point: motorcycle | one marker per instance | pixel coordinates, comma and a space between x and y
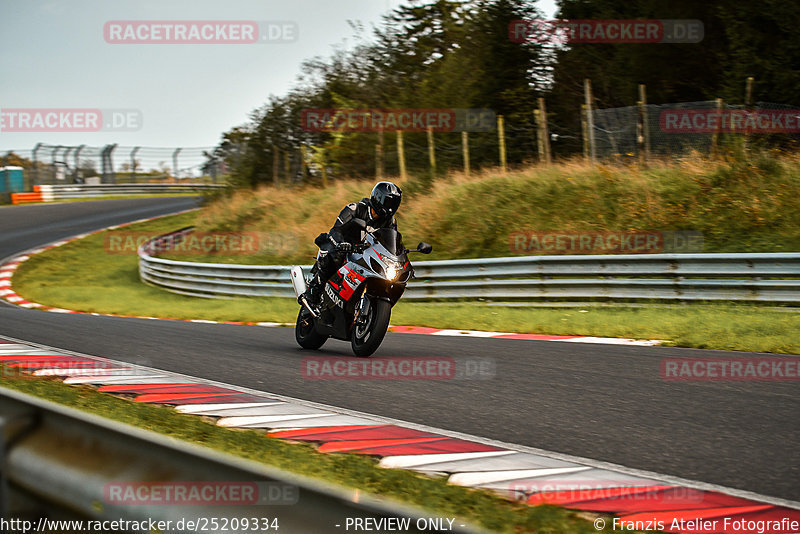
358, 298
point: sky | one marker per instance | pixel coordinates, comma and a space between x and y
54, 55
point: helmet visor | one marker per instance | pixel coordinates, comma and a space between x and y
390, 204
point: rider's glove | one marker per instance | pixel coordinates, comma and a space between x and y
344, 247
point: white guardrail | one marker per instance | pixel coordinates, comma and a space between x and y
756, 277
69, 191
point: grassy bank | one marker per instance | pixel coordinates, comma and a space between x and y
739, 205
84, 275
354, 471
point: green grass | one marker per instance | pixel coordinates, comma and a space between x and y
83, 276
726, 327
351, 470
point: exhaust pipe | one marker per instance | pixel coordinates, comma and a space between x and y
299, 285
298, 280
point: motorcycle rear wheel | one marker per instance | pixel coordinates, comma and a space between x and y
304, 332
366, 340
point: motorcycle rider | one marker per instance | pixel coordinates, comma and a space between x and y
377, 211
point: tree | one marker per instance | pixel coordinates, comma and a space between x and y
12, 159
755, 38
763, 43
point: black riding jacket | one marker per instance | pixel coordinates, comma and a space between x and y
357, 210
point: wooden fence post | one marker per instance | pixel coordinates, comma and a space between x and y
587, 89
543, 132
431, 150
465, 151
401, 155
501, 135
644, 126
715, 135
584, 132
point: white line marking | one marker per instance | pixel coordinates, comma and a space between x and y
200, 409
418, 460
613, 341
101, 379
76, 372
467, 333
266, 419
489, 477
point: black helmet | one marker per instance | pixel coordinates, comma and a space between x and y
385, 199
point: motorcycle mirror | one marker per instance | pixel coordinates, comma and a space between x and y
424, 248
321, 239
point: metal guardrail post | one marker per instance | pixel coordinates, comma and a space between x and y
133, 163
175, 162
53, 162
35, 178
76, 174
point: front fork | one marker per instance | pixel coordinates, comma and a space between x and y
362, 309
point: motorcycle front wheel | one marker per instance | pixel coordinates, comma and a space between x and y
304, 332
367, 336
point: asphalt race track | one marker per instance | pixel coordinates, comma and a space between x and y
604, 402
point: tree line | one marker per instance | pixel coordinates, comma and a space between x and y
459, 54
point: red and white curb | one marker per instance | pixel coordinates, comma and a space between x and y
10, 265
516, 472
7, 293
512, 335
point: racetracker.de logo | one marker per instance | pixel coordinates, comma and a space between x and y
69, 120
576, 242
785, 369
199, 32
199, 243
205, 493
763, 121
606, 31
557, 491
400, 119
398, 368
339, 368
55, 365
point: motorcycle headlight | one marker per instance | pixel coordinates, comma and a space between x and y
391, 272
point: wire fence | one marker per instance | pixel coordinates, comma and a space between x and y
675, 129
113, 164
632, 132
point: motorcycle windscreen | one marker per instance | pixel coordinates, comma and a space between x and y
391, 240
